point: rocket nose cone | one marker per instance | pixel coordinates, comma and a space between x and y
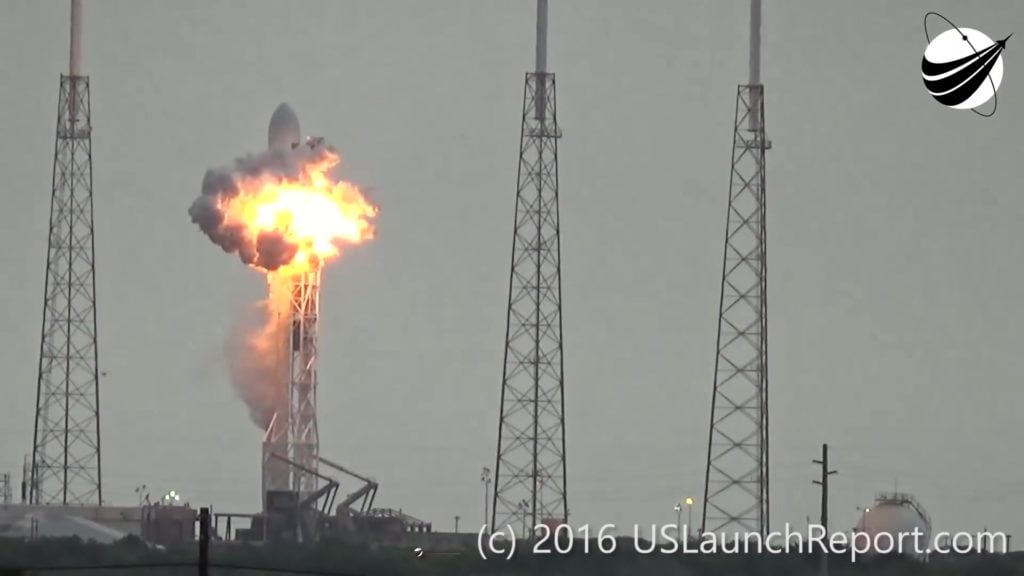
284, 128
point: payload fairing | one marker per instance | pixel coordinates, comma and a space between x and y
283, 132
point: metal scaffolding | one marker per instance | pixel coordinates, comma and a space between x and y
303, 437
292, 434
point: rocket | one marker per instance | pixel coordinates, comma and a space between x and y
283, 132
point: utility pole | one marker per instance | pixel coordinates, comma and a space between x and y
25, 473
204, 542
825, 473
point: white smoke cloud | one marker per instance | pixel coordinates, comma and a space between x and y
258, 371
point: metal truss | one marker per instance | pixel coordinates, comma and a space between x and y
304, 438
736, 480
66, 443
530, 471
276, 473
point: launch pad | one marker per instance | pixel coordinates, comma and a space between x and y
291, 515
297, 496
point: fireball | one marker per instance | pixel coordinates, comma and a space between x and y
309, 218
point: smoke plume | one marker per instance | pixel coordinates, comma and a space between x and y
257, 359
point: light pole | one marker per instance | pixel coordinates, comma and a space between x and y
689, 513
679, 520
485, 479
863, 517
540, 499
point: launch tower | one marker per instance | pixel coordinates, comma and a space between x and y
530, 470
303, 437
65, 465
292, 434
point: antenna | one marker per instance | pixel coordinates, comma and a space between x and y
755, 42
75, 68
540, 101
754, 121
542, 36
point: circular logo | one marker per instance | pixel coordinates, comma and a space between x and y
962, 68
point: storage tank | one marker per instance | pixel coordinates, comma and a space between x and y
894, 517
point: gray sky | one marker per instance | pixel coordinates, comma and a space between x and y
892, 237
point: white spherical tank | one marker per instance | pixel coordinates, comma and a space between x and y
896, 524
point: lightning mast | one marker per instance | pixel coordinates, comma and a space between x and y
530, 470
66, 444
736, 477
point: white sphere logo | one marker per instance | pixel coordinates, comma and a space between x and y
962, 68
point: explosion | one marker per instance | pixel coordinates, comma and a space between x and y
284, 213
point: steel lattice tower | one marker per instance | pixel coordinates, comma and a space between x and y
530, 467
292, 432
303, 436
66, 443
736, 480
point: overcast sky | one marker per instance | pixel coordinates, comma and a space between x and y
894, 243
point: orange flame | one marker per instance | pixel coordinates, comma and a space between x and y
312, 212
